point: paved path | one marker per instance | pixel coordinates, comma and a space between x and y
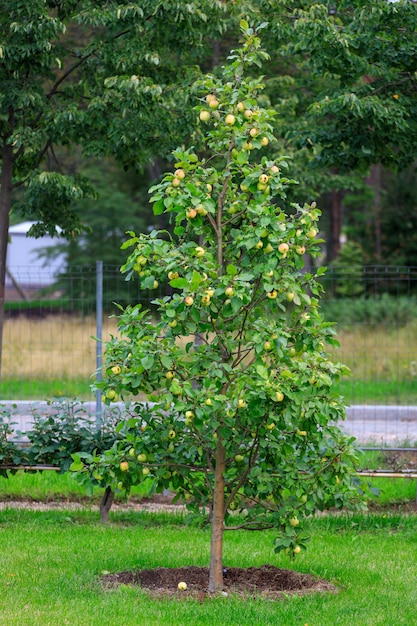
376, 424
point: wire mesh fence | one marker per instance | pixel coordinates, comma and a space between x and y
49, 345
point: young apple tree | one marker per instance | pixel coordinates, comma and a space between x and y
243, 425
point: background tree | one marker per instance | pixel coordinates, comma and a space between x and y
98, 75
244, 414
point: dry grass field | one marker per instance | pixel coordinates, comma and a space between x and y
63, 349
55, 346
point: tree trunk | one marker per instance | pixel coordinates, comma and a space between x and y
217, 523
375, 181
5, 203
335, 223
105, 505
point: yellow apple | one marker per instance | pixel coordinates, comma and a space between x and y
171, 434
279, 396
182, 586
311, 234
201, 210
241, 404
229, 291
240, 107
253, 132
263, 179
173, 275
283, 248
264, 141
188, 301
248, 114
199, 251
179, 173
272, 294
259, 245
116, 369
124, 466
204, 115
191, 214
230, 119
294, 521
169, 375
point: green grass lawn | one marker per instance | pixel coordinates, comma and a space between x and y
51, 564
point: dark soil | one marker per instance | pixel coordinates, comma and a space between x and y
267, 581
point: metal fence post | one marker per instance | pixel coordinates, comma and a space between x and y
99, 335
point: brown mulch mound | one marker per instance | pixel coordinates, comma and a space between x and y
267, 581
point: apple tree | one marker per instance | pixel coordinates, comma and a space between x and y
241, 420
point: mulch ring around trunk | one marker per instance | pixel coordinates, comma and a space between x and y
266, 581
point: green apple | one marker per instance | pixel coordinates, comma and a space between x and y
267, 345
297, 549
204, 115
240, 107
303, 499
169, 375
239, 458
171, 434
311, 234
172, 323
209, 402
290, 296
229, 291
146, 471
302, 433
111, 394
263, 179
201, 210
132, 452
120, 486
142, 457
294, 521
205, 299
270, 426
268, 249
253, 132
259, 245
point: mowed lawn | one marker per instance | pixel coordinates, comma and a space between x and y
51, 562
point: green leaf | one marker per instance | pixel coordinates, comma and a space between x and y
179, 283
158, 207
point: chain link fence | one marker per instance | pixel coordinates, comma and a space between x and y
52, 322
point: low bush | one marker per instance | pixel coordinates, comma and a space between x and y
384, 309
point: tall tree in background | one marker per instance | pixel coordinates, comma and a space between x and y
100, 74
